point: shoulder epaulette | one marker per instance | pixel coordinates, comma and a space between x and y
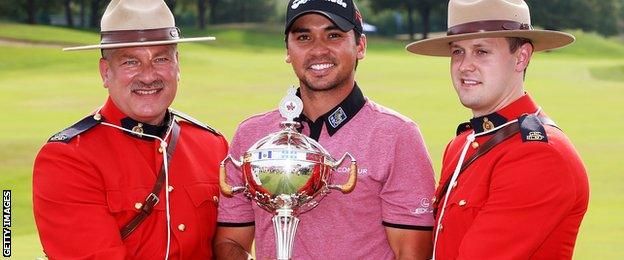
463, 127
78, 128
532, 128
194, 121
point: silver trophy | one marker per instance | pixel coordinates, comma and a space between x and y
287, 173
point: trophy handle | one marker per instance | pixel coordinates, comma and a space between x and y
350, 184
225, 187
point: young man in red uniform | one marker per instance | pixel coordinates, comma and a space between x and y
512, 185
135, 179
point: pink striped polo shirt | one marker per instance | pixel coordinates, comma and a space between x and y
394, 188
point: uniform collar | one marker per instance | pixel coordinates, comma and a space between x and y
523, 105
336, 117
111, 114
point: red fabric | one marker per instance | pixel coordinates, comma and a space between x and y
85, 191
521, 200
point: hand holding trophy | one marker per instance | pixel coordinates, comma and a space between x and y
287, 173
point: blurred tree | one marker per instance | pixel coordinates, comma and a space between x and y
588, 15
31, 11
94, 21
82, 13
201, 14
242, 11
68, 13
213, 11
423, 7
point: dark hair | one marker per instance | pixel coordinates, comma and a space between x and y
516, 42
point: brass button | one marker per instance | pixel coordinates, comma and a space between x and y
440, 227
454, 184
160, 150
182, 227
475, 145
170, 188
138, 205
462, 202
97, 117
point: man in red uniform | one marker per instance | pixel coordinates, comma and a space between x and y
136, 179
512, 185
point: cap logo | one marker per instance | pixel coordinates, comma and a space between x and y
298, 3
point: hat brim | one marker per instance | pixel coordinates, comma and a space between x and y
137, 44
541, 40
342, 23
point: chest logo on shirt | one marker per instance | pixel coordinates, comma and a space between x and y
336, 118
345, 169
425, 207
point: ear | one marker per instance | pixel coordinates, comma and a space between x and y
523, 57
361, 47
287, 59
104, 71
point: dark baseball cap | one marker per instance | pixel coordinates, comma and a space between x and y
343, 13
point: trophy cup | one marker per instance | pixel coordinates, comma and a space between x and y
287, 173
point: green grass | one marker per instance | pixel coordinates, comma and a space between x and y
281, 183
43, 90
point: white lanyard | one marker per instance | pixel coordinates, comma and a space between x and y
163, 146
469, 139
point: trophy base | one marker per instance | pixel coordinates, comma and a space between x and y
285, 225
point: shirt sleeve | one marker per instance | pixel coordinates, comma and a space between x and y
407, 192
70, 207
531, 191
236, 210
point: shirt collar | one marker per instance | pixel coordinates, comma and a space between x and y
336, 117
111, 114
523, 105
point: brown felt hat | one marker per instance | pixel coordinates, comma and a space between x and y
473, 19
132, 23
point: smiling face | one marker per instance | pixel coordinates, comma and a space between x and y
323, 56
141, 81
486, 75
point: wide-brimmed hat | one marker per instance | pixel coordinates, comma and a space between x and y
132, 23
472, 19
343, 13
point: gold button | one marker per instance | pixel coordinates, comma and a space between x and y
440, 227
170, 188
160, 150
138, 205
475, 145
454, 184
181, 227
215, 199
97, 117
462, 202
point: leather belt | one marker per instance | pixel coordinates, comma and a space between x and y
152, 199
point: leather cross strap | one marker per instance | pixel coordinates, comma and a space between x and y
152, 199
500, 136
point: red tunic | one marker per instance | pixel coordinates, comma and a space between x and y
86, 189
524, 199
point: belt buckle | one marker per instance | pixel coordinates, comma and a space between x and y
152, 197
